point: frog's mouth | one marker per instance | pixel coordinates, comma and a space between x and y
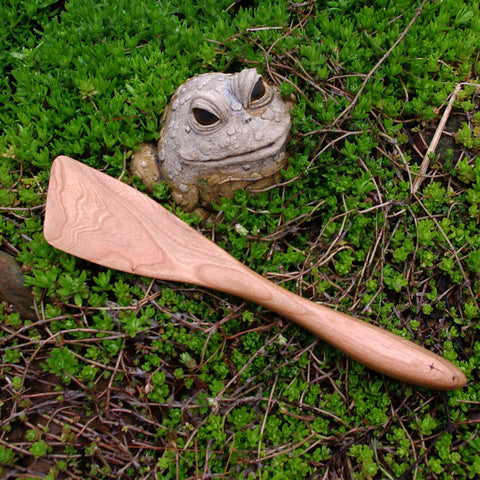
270, 151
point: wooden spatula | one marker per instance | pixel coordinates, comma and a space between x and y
103, 220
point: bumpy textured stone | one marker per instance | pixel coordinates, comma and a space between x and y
221, 132
12, 290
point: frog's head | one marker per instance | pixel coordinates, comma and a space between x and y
223, 125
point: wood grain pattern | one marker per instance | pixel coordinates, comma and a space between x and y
103, 220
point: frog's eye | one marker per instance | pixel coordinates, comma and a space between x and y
204, 117
258, 91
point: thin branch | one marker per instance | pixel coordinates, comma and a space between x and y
435, 140
385, 56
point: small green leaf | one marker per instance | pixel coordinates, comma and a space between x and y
39, 449
473, 261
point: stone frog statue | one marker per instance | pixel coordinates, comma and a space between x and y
221, 132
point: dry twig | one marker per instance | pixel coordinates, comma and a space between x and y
436, 138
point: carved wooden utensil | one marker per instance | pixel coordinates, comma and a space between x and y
103, 220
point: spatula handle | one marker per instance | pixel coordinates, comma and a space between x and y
372, 346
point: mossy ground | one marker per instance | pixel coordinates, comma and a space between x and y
123, 377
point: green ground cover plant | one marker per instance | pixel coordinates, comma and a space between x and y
124, 377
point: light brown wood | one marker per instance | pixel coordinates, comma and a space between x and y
103, 220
